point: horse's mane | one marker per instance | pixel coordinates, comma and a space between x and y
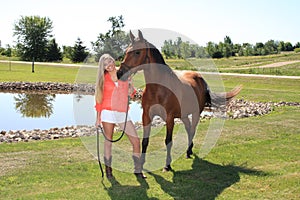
160, 60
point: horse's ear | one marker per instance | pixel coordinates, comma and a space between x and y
141, 35
131, 37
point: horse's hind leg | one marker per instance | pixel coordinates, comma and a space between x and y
169, 143
190, 129
187, 125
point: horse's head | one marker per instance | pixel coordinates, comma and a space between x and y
135, 56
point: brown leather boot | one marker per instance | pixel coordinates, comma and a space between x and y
108, 169
138, 167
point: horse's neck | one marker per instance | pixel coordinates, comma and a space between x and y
158, 71
160, 74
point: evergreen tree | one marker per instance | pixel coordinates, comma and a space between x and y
53, 51
79, 52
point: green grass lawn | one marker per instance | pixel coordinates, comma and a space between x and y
70, 74
43, 73
254, 158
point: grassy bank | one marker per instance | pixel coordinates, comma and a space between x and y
255, 158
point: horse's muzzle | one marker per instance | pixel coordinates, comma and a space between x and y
122, 74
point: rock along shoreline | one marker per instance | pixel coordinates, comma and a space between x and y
237, 108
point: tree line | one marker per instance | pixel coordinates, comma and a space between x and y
35, 42
181, 49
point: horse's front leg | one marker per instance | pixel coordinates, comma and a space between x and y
169, 142
146, 133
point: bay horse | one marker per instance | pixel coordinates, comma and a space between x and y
166, 94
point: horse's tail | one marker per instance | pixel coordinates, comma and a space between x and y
218, 99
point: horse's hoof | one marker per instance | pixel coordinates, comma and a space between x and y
167, 168
188, 156
140, 175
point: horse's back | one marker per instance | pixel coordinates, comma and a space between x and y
194, 79
190, 76
200, 89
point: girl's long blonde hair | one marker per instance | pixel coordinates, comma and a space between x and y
100, 78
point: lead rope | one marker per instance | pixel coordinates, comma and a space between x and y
98, 154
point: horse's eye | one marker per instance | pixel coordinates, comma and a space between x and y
137, 53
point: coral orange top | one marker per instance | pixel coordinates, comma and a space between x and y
115, 97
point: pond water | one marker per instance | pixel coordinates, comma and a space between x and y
44, 111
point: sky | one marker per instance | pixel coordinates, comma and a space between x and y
200, 21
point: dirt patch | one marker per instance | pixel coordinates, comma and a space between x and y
13, 161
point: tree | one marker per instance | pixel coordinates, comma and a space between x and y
259, 49
185, 50
236, 49
246, 50
271, 47
297, 45
288, 46
34, 105
281, 46
79, 52
53, 51
67, 51
227, 47
200, 51
114, 42
168, 49
32, 37
214, 50
211, 48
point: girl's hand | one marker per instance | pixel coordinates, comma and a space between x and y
98, 120
131, 89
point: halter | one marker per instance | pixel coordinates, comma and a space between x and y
146, 57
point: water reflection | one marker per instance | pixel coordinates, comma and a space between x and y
30, 111
34, 105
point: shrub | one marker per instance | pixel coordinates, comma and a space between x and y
297, 50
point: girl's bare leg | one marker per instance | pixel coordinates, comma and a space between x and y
108, 129
133, 137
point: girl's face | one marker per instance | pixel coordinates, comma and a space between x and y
109, 65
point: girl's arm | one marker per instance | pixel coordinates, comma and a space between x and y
131, 89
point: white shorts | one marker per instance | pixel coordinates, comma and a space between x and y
116, 117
